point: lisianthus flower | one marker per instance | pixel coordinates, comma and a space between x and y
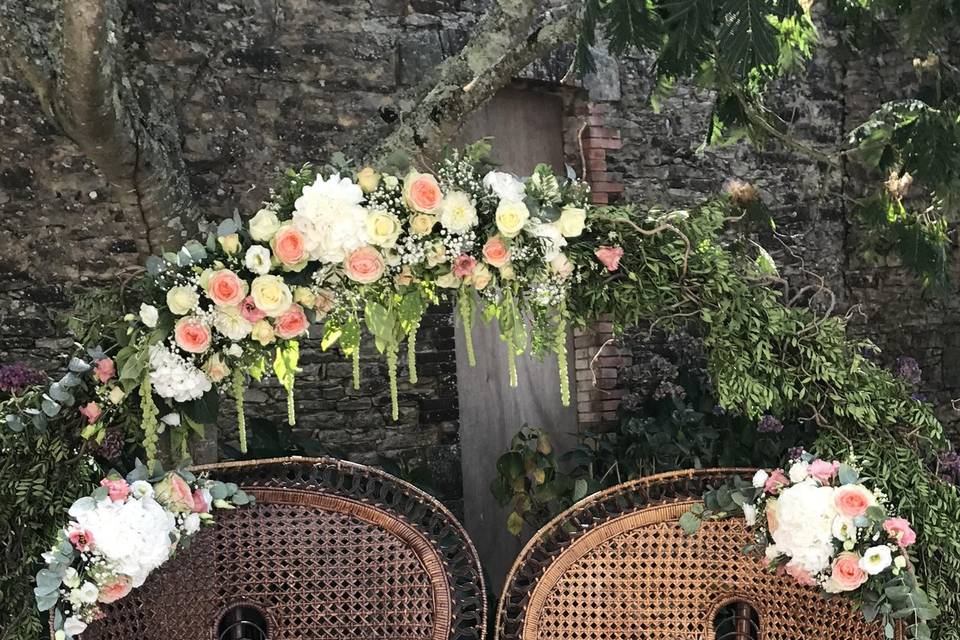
149, 315
823, 471
91, 411
609, 257
463, 266
117, 488
104, 369
899, 529
775, 481
249, 310
81, 539
876, 559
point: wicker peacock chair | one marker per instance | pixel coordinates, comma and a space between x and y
618, 566
330, 550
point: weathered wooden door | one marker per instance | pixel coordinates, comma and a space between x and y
527, 127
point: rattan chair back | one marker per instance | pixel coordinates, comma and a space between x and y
330, 550
618, 566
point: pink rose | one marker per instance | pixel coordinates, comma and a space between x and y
117, 588
800, 575
192, 334
81, 539
200, 502
292, 323
249, 310
422, 192
775, 482
495, 252
104, 369
609, 256
463, 265
91, 411
226, 289
174, 493
364, 265
117, 489
289, 245
846, 574
823, 471
853, 500
899, 529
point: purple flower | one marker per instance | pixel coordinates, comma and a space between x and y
16, 377
769, 424
908, 369
950, 467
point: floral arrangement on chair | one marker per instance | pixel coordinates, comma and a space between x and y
820, 523
120, 534
338, 247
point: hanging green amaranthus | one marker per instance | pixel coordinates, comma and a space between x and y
151, 427
285, 366
238, 380
465, 307
412, 354
560, 348
392, 375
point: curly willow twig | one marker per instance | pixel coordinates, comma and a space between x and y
663, 226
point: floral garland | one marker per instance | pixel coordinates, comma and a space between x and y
120, 534
338, 248
820, 523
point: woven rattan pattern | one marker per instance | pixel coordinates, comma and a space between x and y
330, 550
617, 565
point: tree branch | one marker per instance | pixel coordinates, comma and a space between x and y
509, 37
123, 124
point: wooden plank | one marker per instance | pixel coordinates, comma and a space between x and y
527, 127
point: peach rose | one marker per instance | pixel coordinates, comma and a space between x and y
773, 520
104, 369
289, 245
202, 500
91, 411
846, 574
117, 489
404, 278
291, 324
609, 256
226, 289
192, 335
800, 575
112, 591
899, 529
495, 252
364, 265
853, 500
249, 310
174, 493
421, 192
464, 265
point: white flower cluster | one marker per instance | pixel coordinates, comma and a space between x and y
805, 513
331, 217
134, 537
173, 377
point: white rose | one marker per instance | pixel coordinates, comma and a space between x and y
383, 229
799, 471
449, 281
231, 323
550, 238
235, 350
182, 300
571, 221
876, 559
74, 626
257, 259
457, 213
760, 479
391, 182
505, 185
141, 489
116, 395
750, 514
88, 592
149, 315
511, 215
264, 225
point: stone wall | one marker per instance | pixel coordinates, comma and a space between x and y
263, 85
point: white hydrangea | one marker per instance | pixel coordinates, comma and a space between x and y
331, 218
173, 377
134, 537
805, 515
505, 185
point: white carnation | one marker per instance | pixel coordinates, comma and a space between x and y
132, 536
805, 513
457, 213
173, 377
505, 185
231, 323
760, 479
331, 218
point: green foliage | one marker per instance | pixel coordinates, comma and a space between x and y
41, 474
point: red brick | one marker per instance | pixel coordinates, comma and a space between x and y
602, 132
596, 165
595, 154
607, 187
599, 198
602, 143
590, 417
